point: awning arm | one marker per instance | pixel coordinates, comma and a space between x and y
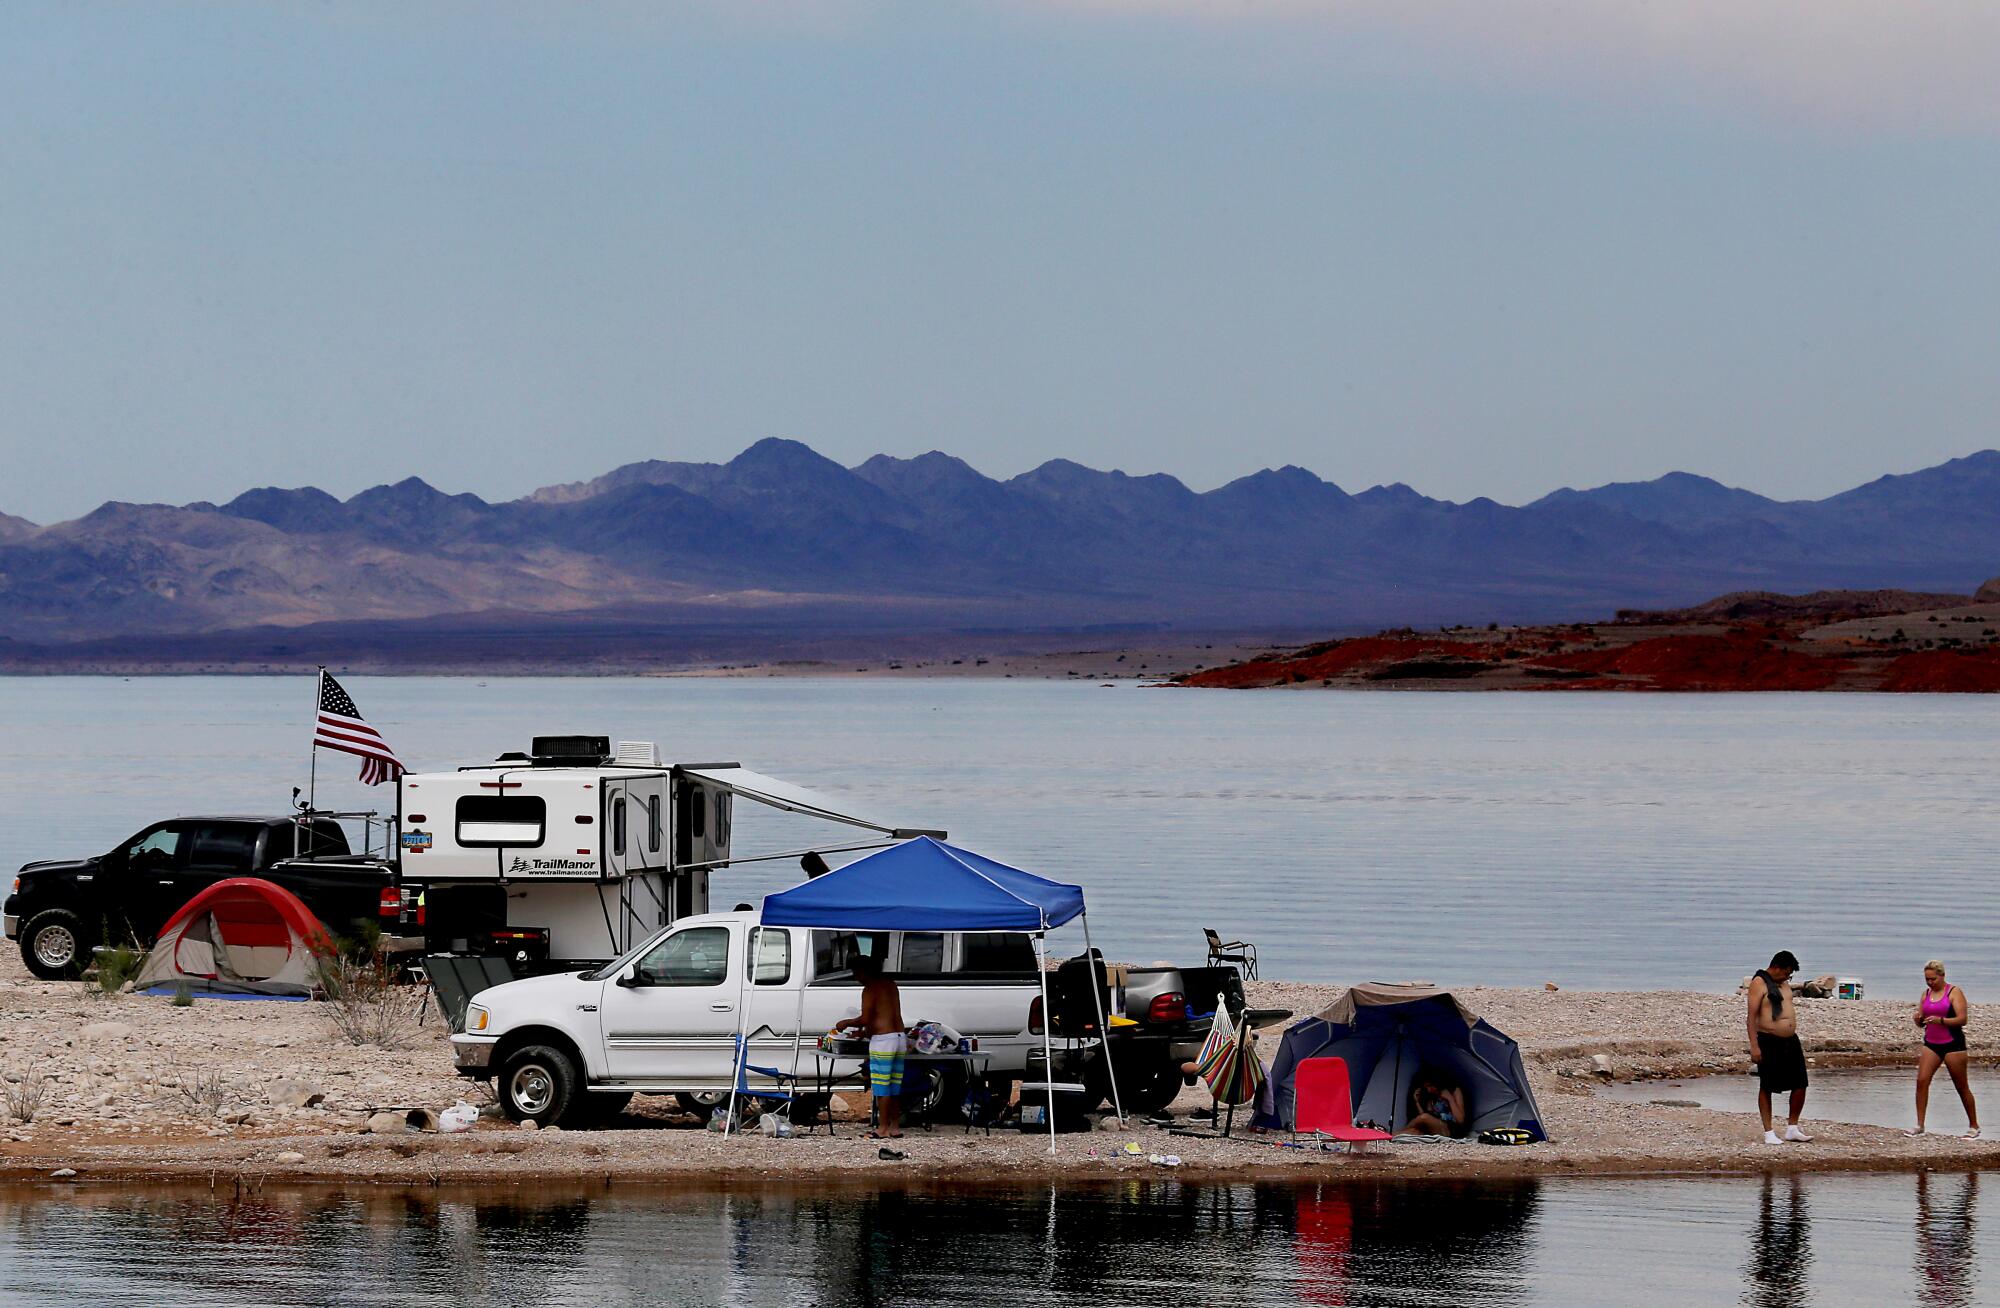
788, 853
790, 798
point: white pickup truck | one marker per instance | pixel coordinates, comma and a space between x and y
575, 1047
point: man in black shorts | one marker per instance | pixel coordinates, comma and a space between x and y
1774, 1045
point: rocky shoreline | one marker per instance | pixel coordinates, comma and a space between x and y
230, 1094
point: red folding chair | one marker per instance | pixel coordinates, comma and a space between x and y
1323, 1101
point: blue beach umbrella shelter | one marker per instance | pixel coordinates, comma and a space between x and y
1388, 1035
927, 885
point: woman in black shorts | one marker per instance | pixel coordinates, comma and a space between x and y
1942, 1013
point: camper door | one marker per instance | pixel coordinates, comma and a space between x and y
635, 826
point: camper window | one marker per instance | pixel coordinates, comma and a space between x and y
698, 956
698, 806
923, 954
653, 823
492, 821
618, 826
773, 956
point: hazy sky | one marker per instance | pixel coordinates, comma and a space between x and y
1479, 246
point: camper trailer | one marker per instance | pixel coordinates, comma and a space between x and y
574, 852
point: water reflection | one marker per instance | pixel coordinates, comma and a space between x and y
1780, 1245
1451, 1242
1146, 1239
1946, 1264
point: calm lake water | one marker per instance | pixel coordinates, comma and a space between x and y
1592, 840
1776, 1242
1877, 1096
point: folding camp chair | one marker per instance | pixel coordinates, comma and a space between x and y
1240, 952
744, 1090
1325, 1104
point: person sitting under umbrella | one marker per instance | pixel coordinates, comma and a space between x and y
1437, 1107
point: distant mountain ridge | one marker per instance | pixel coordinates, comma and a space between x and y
897, 543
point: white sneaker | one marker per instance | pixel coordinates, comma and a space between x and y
1793, 1133
1771, 1137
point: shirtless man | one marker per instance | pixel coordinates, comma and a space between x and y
882, 1018
1773, 1020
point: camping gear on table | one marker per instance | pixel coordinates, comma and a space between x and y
1388, 1035
244, 938
937, 1038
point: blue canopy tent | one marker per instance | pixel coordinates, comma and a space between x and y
927, 885
1390, 1034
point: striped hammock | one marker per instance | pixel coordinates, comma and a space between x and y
1232, 1071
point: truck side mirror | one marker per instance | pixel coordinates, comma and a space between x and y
630, 980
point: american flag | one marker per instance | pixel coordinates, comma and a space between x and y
340, 727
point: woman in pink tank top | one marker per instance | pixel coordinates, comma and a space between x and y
1942, 1014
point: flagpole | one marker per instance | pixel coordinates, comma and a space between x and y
312, 773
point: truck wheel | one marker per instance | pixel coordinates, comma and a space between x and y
701, 1103
538, 1084
931, 1094
54, 944
1149, 1089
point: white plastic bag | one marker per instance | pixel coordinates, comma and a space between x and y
459, 1117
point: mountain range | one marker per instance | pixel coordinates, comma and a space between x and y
781, 536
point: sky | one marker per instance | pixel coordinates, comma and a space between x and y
1482, 247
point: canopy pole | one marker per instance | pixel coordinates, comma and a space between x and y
742, 1054
1103, 1026
1048, 1020
799, 1031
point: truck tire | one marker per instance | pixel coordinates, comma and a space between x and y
54, 944
599, 1107
1149, 1088
701, 1103
538, 1084
1145, 1088
933, 1093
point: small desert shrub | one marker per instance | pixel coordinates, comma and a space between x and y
202, 1090
24, 1094
364, 1002
183, 995
117, 966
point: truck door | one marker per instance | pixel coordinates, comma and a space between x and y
771, 994
670, 1019
148, 887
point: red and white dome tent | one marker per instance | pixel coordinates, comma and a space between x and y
241, 937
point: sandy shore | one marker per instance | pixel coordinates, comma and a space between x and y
134, 1088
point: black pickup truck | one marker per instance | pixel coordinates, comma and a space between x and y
60, 909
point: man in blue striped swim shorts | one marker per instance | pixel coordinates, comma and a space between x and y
882, 1018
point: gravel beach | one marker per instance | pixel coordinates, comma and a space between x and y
132, 1088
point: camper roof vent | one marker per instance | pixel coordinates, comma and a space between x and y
571, 751
637, 754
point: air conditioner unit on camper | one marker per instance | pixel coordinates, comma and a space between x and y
637, 754
571, 751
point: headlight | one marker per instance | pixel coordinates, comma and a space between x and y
475, 1017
